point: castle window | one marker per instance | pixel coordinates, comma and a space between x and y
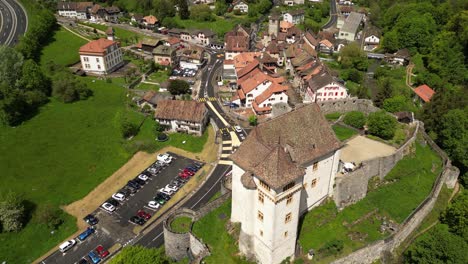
289, 199
289, 186
314, 183
264, 185
261, 198
286, 234
261, 232
315, 166
288, 218
260, 216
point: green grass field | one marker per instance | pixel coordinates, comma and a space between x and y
412, 177
127, 37
211, 230
159, 76
220, 26
181, 224
333, 116
343, 133
147, 86
63, 48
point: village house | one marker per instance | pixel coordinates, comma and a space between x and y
325, 46
240, 5
350, 27
191, 57
310, 40
324, 87
293, 2
101, 56
371, 38
400, 58
284, 168
105, 14
295, 16
149, 22
79, 10
259, 90
236, 41
148, 44
423, 93
136, 19
203, 37
182, 116
152, 99
164, 55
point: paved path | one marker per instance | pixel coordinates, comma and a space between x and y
73, 32
409, 73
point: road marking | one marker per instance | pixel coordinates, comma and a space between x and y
157, 237
227, 148
225, 162
217, 113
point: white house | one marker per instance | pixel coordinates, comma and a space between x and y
101, 56
258, 90
350, 27
242, 6
182, 116
284, 168
191, 57
295, 16
105, 14
293, 2
371, 38
324, 87
79, 10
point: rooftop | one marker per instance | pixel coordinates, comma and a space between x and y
191, 111
97, 46
352, 22
424, 92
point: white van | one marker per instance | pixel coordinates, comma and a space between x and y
67, 245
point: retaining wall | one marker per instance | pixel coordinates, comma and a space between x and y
347, 105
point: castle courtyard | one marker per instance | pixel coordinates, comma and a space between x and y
361, 148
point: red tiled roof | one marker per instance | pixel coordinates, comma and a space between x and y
152, 20
260, 109
274, 88
173, 40
241, 94
97, 46
424, 92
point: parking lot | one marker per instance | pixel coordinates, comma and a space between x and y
115, 227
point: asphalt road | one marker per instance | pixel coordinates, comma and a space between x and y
13, 22
333, 15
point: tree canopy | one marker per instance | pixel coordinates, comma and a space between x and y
177, 87
11, 212
382, 125
140, 255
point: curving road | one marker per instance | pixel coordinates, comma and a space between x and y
333, 16
13, 22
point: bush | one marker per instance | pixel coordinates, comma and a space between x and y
396, 104
50, 216
177, 87
355, 119
331, 248
129, 129
382, 125
67, 88
253, 121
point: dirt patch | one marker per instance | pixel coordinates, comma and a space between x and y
361, 148
139, 161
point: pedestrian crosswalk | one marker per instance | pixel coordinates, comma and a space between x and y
206, 99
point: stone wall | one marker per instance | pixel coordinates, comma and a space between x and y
352, 187
347, 105
377, 250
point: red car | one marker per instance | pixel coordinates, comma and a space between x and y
101, 251
143, 214
189, 172
184, 175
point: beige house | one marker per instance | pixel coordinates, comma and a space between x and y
182, 116
164, 55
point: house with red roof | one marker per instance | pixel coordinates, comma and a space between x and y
423, 93
101, 56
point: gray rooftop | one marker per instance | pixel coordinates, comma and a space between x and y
351, 23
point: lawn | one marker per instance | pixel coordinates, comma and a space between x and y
333, 116
63, 48
211, 229
408, 183
147, 86
343, 133
126, 36
159, 76
181, 224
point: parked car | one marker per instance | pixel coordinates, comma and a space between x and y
189, 172
143, 177
166, 197
184, 175
192, 169
101, 251
130, 188
90, 219
137, 220
155, 204
94, 257
139, 181
125, 191
113, 202
170, 187
148, 173
166, 158
160, 198
86, 233
238, 129
65, 246
167, 192
83, 261
118, 196
133, 184
143, 214
108, 207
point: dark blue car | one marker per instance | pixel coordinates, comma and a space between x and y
94, 257
86, 233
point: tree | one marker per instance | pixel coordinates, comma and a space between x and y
201, 13
456, 215
355, 119
129, 129
382, 125
454, 134
353, 57
177, 87
385, 90
11, 212
183, 9
437, 246
50, 216
253, 121
141, 255
11, 63
396, 104
68, 89
220, 7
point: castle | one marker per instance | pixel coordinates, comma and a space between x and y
283, 169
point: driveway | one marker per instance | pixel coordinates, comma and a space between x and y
361, 148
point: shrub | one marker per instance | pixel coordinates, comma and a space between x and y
355, 119
50, 216
253, 121
129, 129
382, 125
67, 88
332, 248
177, 87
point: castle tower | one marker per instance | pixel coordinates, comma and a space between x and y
277, 176
110, 33
273, 25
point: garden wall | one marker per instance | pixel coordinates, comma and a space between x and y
352, 187
378, 249
347, 105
